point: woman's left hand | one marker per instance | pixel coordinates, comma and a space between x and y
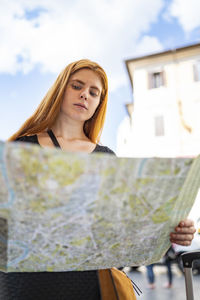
183, 233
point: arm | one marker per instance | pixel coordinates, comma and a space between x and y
183, 233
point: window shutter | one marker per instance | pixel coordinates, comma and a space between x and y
164, 81
150, 83
195, 74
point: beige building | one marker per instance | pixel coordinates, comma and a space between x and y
164, 118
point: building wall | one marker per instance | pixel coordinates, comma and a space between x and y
177, 102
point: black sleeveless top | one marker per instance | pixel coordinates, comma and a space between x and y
73, 285
34, 140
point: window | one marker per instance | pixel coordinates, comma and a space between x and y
159, 126
196, 71
156, 79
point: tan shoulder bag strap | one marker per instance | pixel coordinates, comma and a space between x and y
115, 285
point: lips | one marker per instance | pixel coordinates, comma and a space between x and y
80, 105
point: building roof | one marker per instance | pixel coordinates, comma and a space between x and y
154, 55
163, 53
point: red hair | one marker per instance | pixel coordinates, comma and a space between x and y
47, 112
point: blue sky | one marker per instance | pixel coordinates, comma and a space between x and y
39, 38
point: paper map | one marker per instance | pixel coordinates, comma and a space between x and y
63, 211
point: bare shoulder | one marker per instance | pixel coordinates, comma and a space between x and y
42, 134
44, 139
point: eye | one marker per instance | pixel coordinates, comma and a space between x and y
94, 93
76, 86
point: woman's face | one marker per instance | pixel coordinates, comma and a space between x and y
82, 95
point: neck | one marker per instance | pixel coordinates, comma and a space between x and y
69, 129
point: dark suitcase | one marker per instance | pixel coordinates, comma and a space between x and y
188, 258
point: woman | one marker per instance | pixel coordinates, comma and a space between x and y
71, 116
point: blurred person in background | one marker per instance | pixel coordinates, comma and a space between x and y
150, 276
167, 259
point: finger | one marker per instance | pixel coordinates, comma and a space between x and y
181, 237
182, 243
186, 223
189, 230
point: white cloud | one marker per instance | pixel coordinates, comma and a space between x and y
62, 31
187, 12
148, 45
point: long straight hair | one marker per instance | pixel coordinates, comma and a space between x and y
48, 110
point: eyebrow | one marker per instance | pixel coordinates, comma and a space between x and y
81, 82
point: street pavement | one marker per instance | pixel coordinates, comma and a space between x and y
177, 292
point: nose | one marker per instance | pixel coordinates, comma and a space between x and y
84, 95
